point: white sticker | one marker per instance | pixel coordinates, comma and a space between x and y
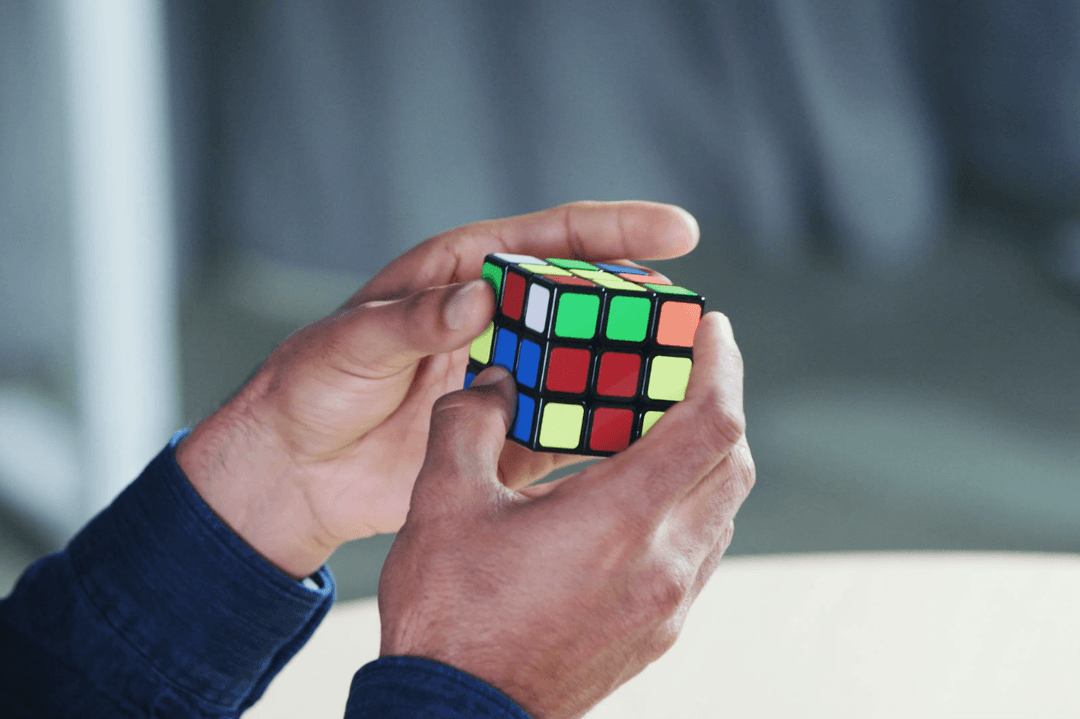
536, 308
520, 259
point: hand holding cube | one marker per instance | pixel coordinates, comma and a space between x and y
324, 443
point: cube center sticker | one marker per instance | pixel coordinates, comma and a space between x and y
528, 364
618, 375
568, 369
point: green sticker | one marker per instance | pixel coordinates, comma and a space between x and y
670, 289
576, 315
560, 425
649, 420
545, 270
628, 318
480, 350
494, 275
572, 264
668, 378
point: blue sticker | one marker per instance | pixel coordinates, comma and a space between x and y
621, 269
523, 424
469, 377
505, 349
528, 363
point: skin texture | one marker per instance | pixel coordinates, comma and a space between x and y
558, 594
324, 444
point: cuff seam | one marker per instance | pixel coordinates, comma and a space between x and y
240, 550
159, 672
307, 603
491, 696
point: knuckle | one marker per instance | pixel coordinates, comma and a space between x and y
664, 638
467, 416
449, 405
749, 471
451, 411
726, 535
666, 589
745, 472
722, 423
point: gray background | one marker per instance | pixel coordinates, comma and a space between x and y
886, 192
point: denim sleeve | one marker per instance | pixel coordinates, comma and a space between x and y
155, 609
409, 687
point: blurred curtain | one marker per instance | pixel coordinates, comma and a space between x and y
350, 130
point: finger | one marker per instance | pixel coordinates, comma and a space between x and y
581, 230
706, 513
710, 563
468, 430
692, 437
379, 339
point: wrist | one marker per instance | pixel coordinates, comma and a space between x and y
251, 483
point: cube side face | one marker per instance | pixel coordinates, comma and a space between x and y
597, 358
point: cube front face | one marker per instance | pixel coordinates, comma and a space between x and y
599, 350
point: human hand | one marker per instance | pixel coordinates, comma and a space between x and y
323, 445
559, 593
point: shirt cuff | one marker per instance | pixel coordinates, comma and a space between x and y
188, 595
409, 687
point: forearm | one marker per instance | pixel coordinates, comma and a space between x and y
155, 609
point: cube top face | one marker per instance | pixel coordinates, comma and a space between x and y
599, 350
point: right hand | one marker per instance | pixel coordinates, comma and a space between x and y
558, 594
323, 445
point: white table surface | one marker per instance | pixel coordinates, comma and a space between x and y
850, 635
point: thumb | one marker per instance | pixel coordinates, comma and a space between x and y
380, 339
468, 430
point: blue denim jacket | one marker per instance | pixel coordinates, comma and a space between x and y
156, 609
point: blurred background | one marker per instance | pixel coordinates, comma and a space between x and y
888, 193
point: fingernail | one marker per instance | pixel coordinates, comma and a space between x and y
691, 223
492, 375
458, 310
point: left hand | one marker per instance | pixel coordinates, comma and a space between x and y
324, 444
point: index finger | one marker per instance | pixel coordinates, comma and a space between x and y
580, 230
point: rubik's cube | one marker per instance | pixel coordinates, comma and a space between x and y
599, 351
